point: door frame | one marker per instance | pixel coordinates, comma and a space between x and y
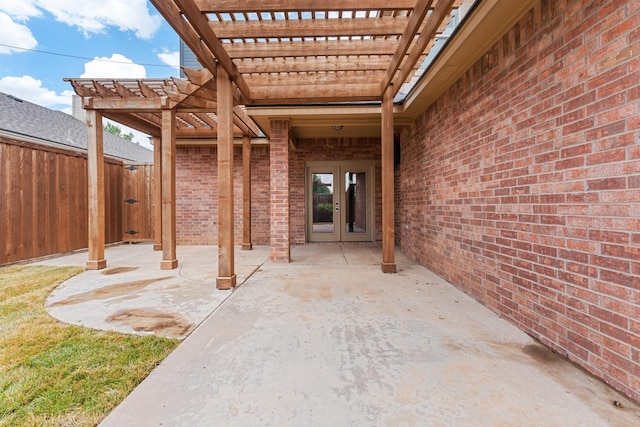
339, 168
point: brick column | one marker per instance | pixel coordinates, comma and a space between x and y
279, 172
246, 193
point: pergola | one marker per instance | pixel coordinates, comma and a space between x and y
167, 109
258, 53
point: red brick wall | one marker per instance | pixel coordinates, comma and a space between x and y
329, 149
521, 184
279, 191
197, 195
197, 191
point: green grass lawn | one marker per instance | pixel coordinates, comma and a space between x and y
54, 374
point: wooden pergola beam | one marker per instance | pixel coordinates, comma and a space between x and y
104, 91
123, 105
442, 10
147, 91
134, 121
199, 77
207, 120
246, 124
415, 21
173, 16
188, 120
303, 80
124, 91
230, 6
311, 94
312, 48
200, 23
82, 90
317, 64
383, 26
191, 133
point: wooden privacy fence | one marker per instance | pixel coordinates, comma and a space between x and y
43, 201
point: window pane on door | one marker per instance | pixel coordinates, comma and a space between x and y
356, 202
323, 201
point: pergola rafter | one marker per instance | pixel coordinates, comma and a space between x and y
231, 6
280, 51
138, 103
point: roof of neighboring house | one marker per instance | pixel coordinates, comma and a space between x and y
22, 118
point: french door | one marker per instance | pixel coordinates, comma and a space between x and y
339, 201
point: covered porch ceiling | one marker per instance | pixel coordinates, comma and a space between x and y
324, 65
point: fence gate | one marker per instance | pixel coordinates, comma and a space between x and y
138, 202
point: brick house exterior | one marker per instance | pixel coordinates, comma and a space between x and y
196, 208
520, 184
516, 175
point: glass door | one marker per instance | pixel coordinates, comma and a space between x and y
356, 212
340, 201
324, 209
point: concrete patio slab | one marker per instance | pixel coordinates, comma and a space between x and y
330, 340
133, 295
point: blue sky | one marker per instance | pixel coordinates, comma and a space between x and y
112, 38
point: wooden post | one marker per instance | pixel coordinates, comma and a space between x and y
157, 194
169, 260
96, 192
226, 275
388, 239
246, 193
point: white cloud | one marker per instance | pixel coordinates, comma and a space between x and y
118, 66
14, 34
30, 89
94, 16
171, 58
20, 10
90, 16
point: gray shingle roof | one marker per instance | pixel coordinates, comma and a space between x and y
24, 118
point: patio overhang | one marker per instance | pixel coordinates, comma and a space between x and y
340, 68
301, 53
